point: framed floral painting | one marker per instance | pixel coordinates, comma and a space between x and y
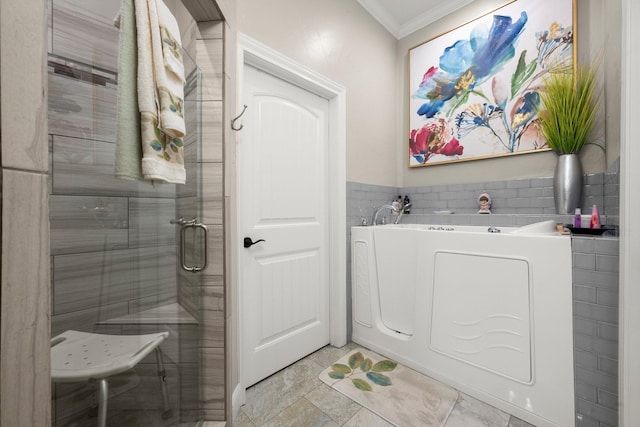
474, 92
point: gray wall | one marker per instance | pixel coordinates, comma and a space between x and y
595, 296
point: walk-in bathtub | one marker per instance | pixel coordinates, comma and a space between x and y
487, 311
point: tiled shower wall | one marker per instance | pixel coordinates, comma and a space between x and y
595, 263
24, 305
113, 247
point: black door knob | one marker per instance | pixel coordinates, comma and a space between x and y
248, 242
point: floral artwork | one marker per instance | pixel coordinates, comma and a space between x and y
358, 364
474, 92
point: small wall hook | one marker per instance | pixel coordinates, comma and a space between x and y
233, 122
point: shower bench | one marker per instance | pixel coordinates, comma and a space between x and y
82, 356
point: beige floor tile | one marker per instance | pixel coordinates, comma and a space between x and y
301, 413
365, 417
242, 420
517, 422
273, 395
339, 407
470, 412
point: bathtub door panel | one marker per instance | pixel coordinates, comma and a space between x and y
396, 263
481, 312
283, 200
361, 279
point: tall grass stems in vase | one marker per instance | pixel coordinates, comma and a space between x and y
570, 109
571, 103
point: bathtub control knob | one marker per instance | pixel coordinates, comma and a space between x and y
493, 230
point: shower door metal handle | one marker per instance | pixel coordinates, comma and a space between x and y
184, 225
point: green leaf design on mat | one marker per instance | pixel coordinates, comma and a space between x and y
358, 364
361, 384
379, 379
178, 142
384, 366
341, 369
167, 157
355, 359
173, 148
336, 375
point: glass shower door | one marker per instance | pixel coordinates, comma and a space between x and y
115, 247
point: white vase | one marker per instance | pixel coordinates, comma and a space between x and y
567, 184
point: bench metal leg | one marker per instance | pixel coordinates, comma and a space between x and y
162, 377
103, 396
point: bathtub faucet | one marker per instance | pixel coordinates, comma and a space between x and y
395, 207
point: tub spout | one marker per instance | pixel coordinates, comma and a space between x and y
395, 208
402, 211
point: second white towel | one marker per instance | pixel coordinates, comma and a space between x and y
160, 97
168, 68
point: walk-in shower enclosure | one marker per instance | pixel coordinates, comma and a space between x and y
115, 255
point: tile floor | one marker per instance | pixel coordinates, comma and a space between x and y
295, 397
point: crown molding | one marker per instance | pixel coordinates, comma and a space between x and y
430, 16
400, 30
382, 15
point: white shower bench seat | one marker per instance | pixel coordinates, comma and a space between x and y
82, 356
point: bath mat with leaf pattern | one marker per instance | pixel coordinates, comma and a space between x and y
402, 396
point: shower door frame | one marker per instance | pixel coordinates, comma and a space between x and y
139, 269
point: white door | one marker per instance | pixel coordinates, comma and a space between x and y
283, 192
